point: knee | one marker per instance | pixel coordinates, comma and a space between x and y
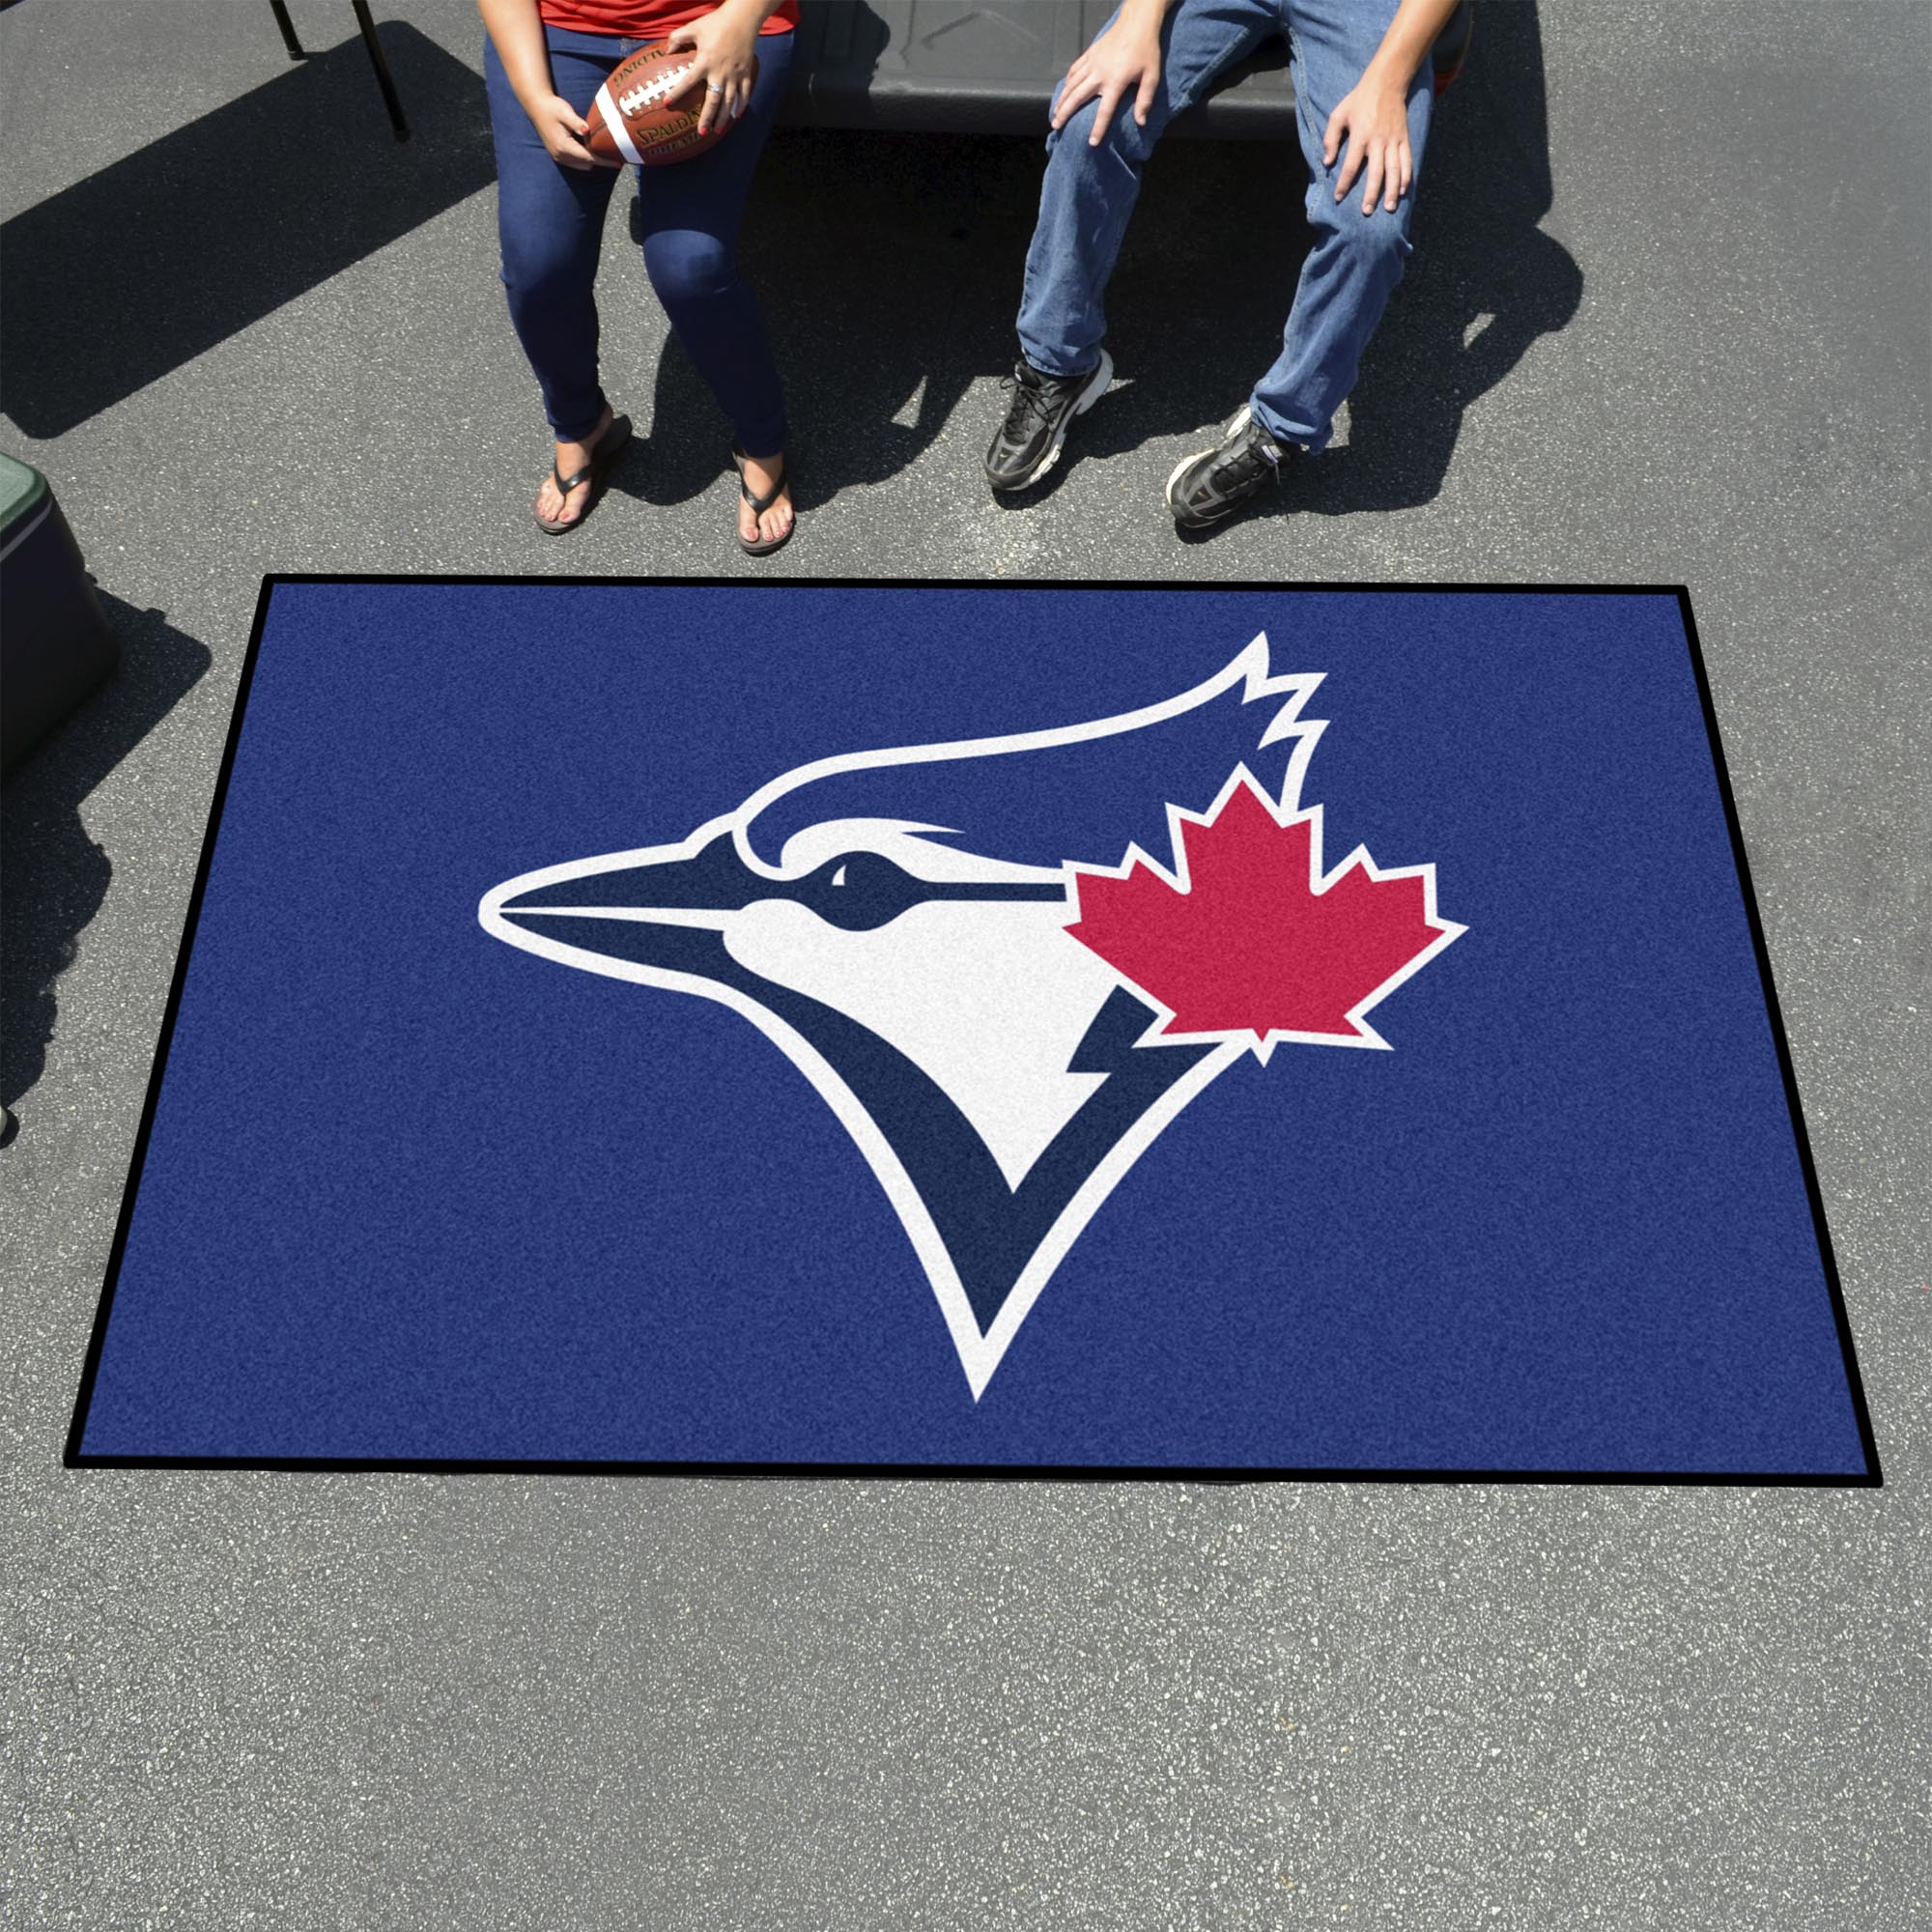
688, 264
541, 267
1072, 145
1375, 245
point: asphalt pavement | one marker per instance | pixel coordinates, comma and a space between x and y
1669, 321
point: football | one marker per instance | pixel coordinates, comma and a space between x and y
631, 122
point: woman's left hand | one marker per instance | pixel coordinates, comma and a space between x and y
723, 42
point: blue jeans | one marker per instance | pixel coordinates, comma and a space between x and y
550, 220
1356, 260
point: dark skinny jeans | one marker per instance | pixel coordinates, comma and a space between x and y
551, 223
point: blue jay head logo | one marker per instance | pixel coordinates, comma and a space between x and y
971, 953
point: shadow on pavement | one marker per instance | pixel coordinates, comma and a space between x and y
53, 877
879, 342
115, 283
887, 267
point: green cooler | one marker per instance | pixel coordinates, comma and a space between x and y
55, 646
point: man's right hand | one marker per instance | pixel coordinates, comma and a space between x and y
559, 124
1125, 60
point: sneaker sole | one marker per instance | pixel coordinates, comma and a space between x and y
1190, 519
1097, 387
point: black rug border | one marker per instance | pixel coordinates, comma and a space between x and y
1871, 1477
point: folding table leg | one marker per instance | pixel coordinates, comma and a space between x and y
288, 27
390, 98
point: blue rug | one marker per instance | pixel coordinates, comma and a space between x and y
972, 1029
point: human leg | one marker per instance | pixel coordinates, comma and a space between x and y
1357, 259
1089, 192
691, 218
549, 223
1086, 199
1355, 265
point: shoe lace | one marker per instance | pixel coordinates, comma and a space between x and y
1255, 453
1028, 399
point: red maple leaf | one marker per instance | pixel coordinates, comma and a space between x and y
1253, 940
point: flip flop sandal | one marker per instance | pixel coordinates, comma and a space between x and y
762, 546
611, 445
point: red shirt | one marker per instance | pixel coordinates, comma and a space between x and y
646, 19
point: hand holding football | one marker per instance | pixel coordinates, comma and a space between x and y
647, 111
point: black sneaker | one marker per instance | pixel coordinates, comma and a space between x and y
1207, 484
1041, 411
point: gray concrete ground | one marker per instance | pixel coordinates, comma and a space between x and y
1669, 321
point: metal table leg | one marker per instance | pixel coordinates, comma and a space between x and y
288, 27
390, 98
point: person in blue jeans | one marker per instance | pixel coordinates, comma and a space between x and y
1363, 92
543, 64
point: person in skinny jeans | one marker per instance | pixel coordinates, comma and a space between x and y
543, 64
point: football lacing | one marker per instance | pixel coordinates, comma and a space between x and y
652, 91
